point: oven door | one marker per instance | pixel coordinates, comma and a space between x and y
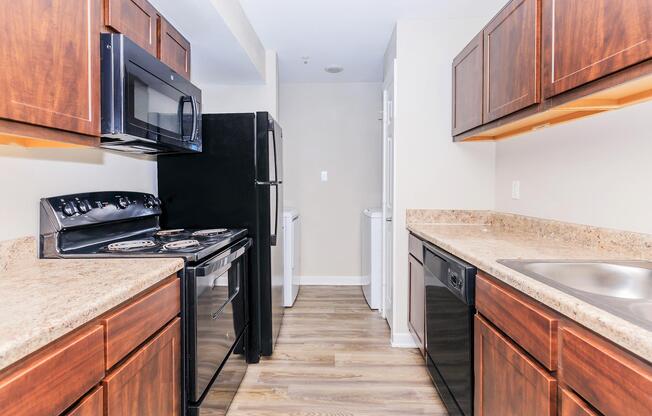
449, 339
216, 314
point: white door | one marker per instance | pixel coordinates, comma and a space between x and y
388, 193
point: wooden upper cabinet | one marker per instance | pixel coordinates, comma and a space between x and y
136, 19
149, 381
467, 86
511, 59
583, 41
507, 380
173, 48
50, 62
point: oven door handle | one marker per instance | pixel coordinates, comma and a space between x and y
223, 260
233, 292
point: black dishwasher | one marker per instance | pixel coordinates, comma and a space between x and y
450, 289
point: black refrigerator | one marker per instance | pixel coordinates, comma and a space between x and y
236, 182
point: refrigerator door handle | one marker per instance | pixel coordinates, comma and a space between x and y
274, 236
275, 155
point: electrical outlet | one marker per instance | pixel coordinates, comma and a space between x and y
324, 176
516, 189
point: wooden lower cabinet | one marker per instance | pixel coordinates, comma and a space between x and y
508, 382
417, 308
91, 405
571, 405
149, 381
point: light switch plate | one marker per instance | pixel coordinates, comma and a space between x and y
516, 189
324, 176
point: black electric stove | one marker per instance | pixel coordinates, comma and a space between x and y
214, 313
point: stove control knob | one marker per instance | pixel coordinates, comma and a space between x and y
85, 206
150, 202
69, 209
122, 202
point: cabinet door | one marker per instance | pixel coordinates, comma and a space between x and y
467, 86
91, 405
148, 382
585, 40
571, 405
511, 52
417, 301
507, 381
136, 19
49, 63
173, 48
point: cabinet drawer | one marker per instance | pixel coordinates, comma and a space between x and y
608, 379
415, 247
55, 378
534, 329
136, 19
130, 326
91, 405
571, 405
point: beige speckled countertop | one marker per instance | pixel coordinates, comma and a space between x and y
482, 237
42, 300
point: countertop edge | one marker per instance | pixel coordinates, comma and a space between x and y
15, 350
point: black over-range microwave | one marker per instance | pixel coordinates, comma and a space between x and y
146, 106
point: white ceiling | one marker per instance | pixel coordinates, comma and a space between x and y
350, 33
217, 56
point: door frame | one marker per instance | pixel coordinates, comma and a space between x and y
387, 303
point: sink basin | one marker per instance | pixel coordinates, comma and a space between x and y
621, 287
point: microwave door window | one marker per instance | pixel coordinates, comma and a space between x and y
156, 108
153, 107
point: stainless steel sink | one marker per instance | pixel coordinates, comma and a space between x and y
623, 288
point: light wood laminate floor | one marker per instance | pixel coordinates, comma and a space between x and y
334, 358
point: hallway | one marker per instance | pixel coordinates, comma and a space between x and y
334, 358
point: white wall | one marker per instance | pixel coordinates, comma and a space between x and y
235, 18
333, 127
218, 98
431, 170
30, 174
594, 171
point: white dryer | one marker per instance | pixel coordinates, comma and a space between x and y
372, 220
292, 251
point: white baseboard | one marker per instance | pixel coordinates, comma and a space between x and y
330, 280
403, 340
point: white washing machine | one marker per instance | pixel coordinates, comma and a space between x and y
292, 260
372, 222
